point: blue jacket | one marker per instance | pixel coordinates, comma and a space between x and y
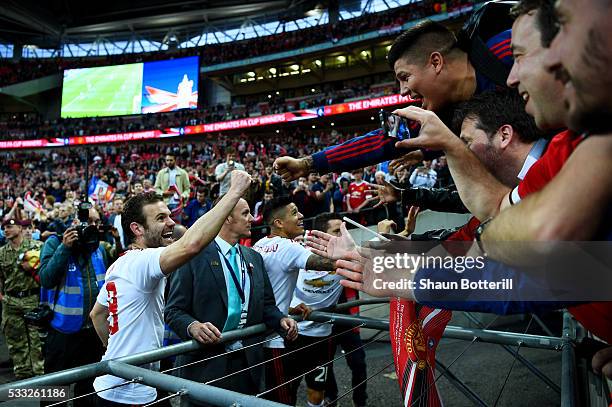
78, 283
195, 210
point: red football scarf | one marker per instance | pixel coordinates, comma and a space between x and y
176, 213
415, 332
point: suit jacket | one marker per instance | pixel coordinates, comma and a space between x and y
198, 293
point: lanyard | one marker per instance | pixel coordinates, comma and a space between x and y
232, 272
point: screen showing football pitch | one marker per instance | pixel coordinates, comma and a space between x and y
146, 87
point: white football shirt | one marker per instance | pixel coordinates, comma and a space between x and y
133, 291
317, 289
283, 259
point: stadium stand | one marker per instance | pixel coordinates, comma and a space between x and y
275, 105
23, 126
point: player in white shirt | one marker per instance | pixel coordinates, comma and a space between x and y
283, 258
128, 314
316, 290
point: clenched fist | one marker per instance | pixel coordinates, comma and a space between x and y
240, 181
290, 168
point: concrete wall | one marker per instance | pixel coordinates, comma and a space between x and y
213, 93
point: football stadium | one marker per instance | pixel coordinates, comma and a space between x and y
306, 203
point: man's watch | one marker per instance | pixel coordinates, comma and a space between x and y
479, 231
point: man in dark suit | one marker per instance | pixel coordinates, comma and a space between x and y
225, 287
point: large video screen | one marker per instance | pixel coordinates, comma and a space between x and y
148, 87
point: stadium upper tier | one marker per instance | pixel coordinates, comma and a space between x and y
28, 126
216, 49
184, 123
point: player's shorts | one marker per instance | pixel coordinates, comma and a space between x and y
312, 360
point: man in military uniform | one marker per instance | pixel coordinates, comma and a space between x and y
20, 294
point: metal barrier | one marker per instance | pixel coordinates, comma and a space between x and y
126, 367
568, 363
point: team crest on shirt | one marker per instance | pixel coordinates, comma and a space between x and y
318, 282
319, 279
416, 345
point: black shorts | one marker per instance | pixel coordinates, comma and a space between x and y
312, 360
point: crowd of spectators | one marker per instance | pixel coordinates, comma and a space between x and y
20, 126
515, 170
27, 69
53, 178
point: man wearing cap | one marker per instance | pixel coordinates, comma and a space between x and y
20, 294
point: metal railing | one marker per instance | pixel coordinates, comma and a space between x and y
126, 367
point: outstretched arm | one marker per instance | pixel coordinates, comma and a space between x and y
329, 246
204, 230
571, 207
369, 149
316, 262
436, 199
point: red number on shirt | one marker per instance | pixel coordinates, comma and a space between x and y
113, 326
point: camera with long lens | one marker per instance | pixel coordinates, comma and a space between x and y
88, 235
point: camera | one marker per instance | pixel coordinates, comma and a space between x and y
88, 235
40, 316
105, 229
230, 163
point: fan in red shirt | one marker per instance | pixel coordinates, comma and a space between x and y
357, 198
595, 316
558, 151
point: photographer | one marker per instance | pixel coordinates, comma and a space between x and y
72, 271
300, 197
20, 295
224, 169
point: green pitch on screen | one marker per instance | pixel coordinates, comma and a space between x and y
104, 91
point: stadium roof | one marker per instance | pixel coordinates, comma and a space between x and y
52, 23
